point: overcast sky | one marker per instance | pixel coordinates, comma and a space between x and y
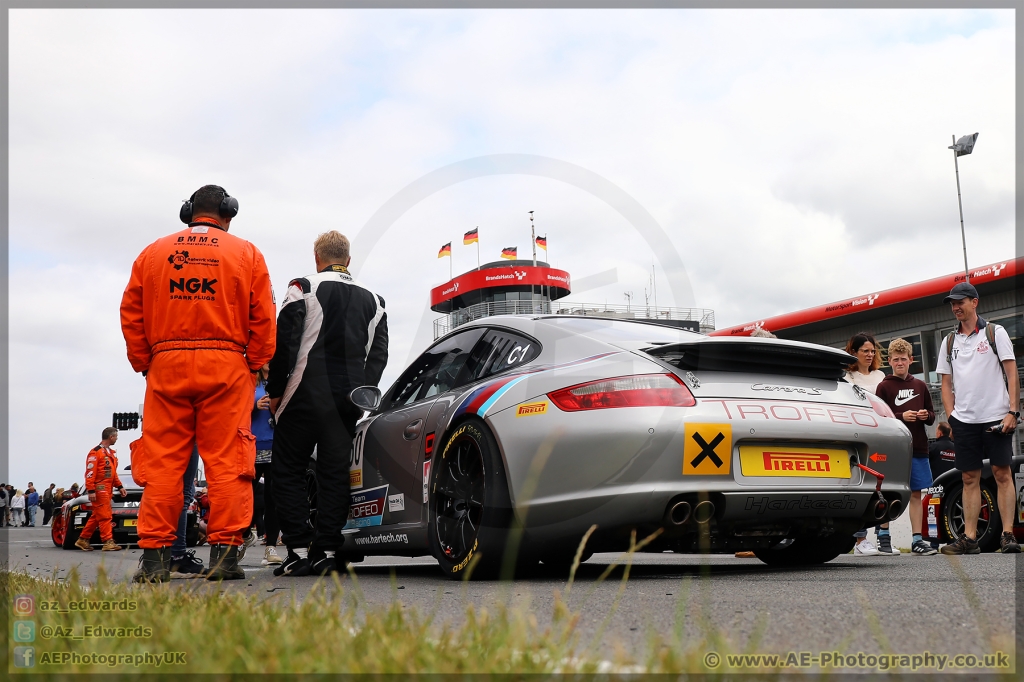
793, 157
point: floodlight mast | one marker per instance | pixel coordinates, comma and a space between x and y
962, 147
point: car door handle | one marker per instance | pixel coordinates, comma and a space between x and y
412, 431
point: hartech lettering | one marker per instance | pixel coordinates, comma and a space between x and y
804, 503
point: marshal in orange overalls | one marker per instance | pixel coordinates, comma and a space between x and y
198, 319
101, 478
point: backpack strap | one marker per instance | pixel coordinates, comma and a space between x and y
990, 332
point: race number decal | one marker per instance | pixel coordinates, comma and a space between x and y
355, 464
708, 450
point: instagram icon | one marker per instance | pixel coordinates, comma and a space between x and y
24, 605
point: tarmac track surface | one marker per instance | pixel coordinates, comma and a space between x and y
901, 604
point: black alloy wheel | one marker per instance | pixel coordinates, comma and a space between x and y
459, 506
989, 525
469, 507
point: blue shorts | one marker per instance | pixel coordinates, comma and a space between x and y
920, 474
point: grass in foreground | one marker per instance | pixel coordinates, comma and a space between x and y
329, 631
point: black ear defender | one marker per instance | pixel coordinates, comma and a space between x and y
228, 207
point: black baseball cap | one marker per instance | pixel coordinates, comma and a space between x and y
961, 291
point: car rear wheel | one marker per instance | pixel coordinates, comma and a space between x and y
58, 528
989, 523
806, 551
469, 509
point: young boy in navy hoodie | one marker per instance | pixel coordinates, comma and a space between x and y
910, 401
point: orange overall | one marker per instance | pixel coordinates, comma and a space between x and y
101, 478
198, 317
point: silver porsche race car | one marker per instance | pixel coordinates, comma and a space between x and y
510, 437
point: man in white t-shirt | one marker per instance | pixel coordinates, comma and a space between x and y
981, 411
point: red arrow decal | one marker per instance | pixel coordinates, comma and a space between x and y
877, 457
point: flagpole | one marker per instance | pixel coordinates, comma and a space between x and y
477, 247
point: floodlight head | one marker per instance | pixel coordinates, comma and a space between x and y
965, 145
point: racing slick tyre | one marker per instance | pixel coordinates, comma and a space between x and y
469, 512
806, 551
989, 524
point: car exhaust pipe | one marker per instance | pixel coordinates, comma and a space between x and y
679, 513
895, 509
879, 508
704, 511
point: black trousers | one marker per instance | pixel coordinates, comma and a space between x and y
271, 526
312, 418
47, 512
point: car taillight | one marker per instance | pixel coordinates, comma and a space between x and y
641, 390
880, 408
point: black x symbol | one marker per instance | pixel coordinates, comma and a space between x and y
707, 450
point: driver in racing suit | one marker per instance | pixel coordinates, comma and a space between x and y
100, 480
332, 337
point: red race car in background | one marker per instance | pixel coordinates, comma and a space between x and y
943, 518
69, 519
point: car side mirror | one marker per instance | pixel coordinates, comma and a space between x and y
366, 397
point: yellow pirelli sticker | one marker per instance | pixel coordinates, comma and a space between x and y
794, 461
708, 450
531, 409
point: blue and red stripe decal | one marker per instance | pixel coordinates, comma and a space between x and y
485, 396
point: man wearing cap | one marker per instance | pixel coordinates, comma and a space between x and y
975, 361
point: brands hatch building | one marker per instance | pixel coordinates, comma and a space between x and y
914, 312
515, 287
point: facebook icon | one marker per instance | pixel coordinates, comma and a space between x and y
24, 656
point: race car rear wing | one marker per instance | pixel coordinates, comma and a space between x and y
755, 356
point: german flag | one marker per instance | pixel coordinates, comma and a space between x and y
510, 252
446, 250
542, 242
471, 237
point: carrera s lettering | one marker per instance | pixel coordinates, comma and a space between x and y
785, 389
739, 409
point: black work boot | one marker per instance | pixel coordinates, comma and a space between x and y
154, 566
224, 563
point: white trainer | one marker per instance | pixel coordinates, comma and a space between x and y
270, 557
865, 548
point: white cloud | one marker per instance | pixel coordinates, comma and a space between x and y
790, 155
